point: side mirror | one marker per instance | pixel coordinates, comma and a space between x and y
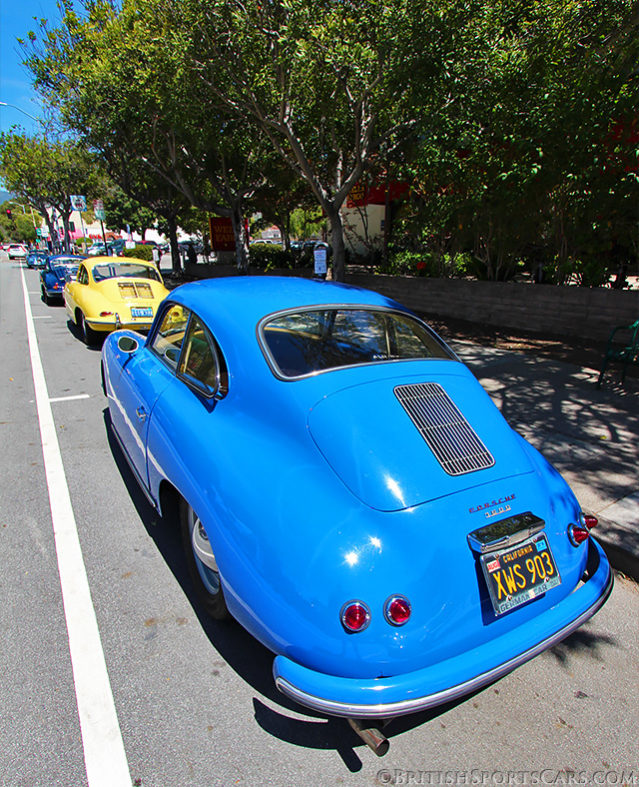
128, 345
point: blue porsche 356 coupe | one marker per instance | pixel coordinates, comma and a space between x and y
55, 273
349, 493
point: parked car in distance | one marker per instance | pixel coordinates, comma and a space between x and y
17, 251
349, 493
116, 246
113, 248
198, 246
54, 275
113, 292
37, 258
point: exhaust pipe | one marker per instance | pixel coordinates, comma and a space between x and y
372, 736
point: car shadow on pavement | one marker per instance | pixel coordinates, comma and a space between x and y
75, 331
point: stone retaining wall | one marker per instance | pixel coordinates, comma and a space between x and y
558, 311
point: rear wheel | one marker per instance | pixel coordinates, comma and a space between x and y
201, 562
89, 336
45, 297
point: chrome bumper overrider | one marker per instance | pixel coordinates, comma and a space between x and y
412, 704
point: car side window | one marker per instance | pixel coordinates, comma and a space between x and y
83, 276
200, 361
168, 339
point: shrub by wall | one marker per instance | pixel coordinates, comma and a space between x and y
140, 252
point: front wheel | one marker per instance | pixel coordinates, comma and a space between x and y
202, 564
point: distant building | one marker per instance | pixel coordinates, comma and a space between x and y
368, 213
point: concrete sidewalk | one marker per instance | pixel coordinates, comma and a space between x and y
591, 436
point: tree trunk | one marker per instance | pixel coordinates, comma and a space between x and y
241, 238
50, 225
176, 262
65, 224
337, 242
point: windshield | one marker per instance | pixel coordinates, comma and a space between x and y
305, 342
112, 269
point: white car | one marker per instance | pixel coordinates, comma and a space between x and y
17, 252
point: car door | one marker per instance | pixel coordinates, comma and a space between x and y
141, 378
73, 289
182, 436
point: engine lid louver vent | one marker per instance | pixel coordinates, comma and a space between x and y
447, 433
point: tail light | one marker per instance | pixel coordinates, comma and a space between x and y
588, 520
397, 610
355, 616
581, 532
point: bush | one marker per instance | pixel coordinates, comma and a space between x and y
407, 262
267, 256
141, 252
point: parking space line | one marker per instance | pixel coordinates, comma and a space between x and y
104, 755
68, 398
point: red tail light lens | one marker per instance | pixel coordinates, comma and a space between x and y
577, 534
397, 610
588, 520
355, 616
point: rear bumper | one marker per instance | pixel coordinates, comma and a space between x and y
103, 326
385, 698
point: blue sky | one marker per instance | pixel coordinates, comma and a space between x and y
16, 19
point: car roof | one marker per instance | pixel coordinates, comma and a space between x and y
247, 299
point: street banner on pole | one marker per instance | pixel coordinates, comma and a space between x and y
78, 202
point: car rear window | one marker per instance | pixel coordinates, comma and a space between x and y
112, 269
299, 343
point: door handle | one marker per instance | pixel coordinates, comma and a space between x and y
141, 413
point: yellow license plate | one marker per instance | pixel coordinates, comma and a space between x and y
519, 574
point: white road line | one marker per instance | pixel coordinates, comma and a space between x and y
41, 317
69, 398
104, 755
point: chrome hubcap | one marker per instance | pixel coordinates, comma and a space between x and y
203, 553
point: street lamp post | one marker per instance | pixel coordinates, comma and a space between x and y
13, 106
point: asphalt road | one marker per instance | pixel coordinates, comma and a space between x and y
194, 699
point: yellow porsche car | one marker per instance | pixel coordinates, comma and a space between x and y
109, 293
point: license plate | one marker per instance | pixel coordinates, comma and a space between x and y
144, 312
516, 575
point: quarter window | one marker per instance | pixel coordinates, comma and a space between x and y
199, 361
167, 342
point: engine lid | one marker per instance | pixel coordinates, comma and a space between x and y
400, 442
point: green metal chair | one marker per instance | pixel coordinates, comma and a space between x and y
621, 351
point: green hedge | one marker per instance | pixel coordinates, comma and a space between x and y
267, 256
141, 251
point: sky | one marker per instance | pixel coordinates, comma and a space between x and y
16, 19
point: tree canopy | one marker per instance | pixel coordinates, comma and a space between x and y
513, 122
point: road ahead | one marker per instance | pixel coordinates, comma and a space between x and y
193, 700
